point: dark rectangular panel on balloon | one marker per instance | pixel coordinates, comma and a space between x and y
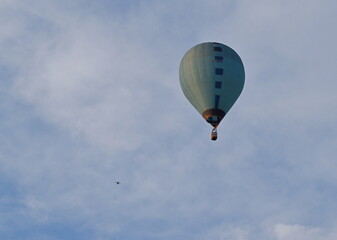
219, 71
217, 49
218, 84
218, 58
217, 100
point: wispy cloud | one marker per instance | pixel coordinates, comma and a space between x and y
90, 95
300, 232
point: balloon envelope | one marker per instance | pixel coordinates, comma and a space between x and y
212, 78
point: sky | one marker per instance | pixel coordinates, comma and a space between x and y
90, 95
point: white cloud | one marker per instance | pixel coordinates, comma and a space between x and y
94, 97
300, 232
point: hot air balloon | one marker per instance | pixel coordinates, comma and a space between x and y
212, 77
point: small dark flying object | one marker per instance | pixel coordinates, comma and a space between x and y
118, 182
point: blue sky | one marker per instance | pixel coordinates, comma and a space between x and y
90, 95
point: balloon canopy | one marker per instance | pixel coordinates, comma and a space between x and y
212, 77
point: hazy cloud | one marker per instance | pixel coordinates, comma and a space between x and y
90, 95
300, 232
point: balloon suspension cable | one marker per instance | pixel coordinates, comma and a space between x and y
214, 134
